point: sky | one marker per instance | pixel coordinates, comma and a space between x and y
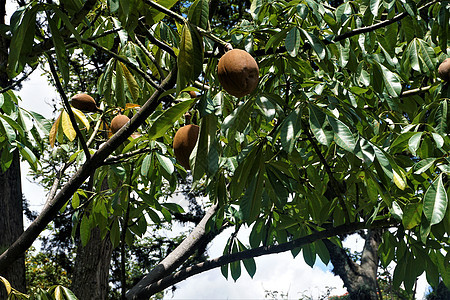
277, 272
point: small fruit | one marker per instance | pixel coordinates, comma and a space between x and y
193, 94
444, 70
238, 72
117, 122
84, 102
184, 142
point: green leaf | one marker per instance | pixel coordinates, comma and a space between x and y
235, 266
414, 142
412, 215
251, 201
133, 86
166, 163
69, 295
293, 41
29, 156
290, 130
318, 122
85, 230
374, 6
316, 44
190, 57
153, 15
423, 165
342, 134
392, 82
60, 49
441, 117
198, 13
438, 139
413, 54
120, 86
26, 25
146, 163
166, 120
8, 130
435, 201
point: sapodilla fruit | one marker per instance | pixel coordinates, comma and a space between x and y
444, 70
238, 72
193, 94
117, 122
184, 142
84, 102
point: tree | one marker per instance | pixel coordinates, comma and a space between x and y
347, 131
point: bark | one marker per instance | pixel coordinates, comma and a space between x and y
11, 215
359, 279
91, 272
175, 259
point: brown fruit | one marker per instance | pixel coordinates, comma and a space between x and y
238, 72
84, 102
444, 70
193, 94
184, 142
117, 122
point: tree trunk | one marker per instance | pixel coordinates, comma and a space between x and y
11, 223
91, 272
11, 213
359, 279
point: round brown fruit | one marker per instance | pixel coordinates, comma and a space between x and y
117, 122
238, 72
84, 102
444, 70
184, 142
193, 94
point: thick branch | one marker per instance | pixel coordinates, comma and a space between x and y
175, 259
260, 251
50, 211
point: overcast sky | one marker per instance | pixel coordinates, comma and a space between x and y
279, 272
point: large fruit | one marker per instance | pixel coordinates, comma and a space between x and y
117, 122
444, 70
184, 142
238, 72
84, 102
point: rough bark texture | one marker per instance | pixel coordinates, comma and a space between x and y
359, 279
11, 223
91, 272
11, 217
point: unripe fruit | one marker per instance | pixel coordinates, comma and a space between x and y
238, 72
84, 102
444, 70
184, 142
117, 122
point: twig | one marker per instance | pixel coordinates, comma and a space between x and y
114, 159
17, 82
152, 58
68, 108
415, 91
157, 42
334, 184
121, 59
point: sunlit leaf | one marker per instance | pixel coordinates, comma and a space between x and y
81, 117
54, 131
67, 127
435, 201
133, 86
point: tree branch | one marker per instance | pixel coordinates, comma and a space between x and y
379, 25
174, 259
68, 108
415, 91
260, 251
50, 211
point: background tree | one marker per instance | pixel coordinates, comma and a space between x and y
347, 131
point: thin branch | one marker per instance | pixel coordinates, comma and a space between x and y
123, 60
415, 91
17, 82
114, 159
96, 129
68, 108
150, 56
155, 41
26, 239
379, 25
181, 275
